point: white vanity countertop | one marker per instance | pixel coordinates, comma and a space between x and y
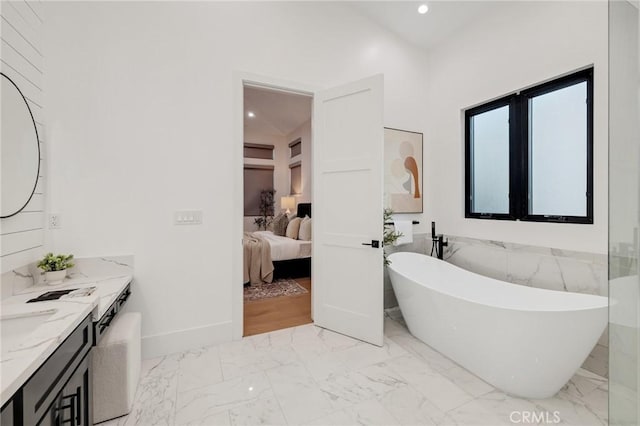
19, 362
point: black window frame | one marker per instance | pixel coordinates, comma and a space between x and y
519, 151
498, 103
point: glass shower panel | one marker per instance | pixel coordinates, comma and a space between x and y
624, 219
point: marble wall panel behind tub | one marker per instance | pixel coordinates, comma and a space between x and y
488, 258
540, 267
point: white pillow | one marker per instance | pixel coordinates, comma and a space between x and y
304, 233
293, 227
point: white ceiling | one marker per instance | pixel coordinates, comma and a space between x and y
443, 20
276, 113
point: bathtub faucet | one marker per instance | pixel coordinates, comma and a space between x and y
438, 243
442, 243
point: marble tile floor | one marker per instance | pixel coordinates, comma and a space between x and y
310, 376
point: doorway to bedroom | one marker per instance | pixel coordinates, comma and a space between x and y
277, 209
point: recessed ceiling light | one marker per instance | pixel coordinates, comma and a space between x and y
423, 9
251, 114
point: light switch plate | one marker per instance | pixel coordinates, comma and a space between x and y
187, 217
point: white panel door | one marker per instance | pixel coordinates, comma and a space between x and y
347, 202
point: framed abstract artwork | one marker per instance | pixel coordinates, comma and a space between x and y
403, 171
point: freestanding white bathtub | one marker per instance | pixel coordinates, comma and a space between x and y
524, 341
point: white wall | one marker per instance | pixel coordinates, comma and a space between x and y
141, 102
22, 235
525, 44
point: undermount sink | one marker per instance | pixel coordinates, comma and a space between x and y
14, 329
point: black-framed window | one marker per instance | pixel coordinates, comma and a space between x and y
529, 156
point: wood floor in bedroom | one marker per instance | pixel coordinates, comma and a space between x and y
262, 316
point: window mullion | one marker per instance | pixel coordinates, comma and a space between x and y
515, 156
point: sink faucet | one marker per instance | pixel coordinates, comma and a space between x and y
438, 243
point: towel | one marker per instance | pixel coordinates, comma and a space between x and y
405, 227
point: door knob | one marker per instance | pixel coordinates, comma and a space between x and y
373, 244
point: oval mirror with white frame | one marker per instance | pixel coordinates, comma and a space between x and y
20, 150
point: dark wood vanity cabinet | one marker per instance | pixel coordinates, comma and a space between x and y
46, 396
77, 396
7, 416
73, 404
59, 392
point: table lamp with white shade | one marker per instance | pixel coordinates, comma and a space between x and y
288, 203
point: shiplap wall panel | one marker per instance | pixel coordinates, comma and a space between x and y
38, 114
21, 60
36, 204
37, 8
27, 87
27, 13
19, 43
40, 186
22, 235
18, 241
24, 257
23, 222
15, 19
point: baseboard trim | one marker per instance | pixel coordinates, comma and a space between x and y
182, 340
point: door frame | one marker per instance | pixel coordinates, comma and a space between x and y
240, 79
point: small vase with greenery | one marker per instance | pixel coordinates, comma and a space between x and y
55, 267
266, 208
389, 233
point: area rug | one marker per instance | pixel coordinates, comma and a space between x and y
281, 287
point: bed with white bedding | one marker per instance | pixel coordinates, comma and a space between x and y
285, 248
289, 258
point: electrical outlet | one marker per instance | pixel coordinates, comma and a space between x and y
187, 217
55, 221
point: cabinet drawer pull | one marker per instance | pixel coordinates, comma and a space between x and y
71, 402
107, 321
124, 297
